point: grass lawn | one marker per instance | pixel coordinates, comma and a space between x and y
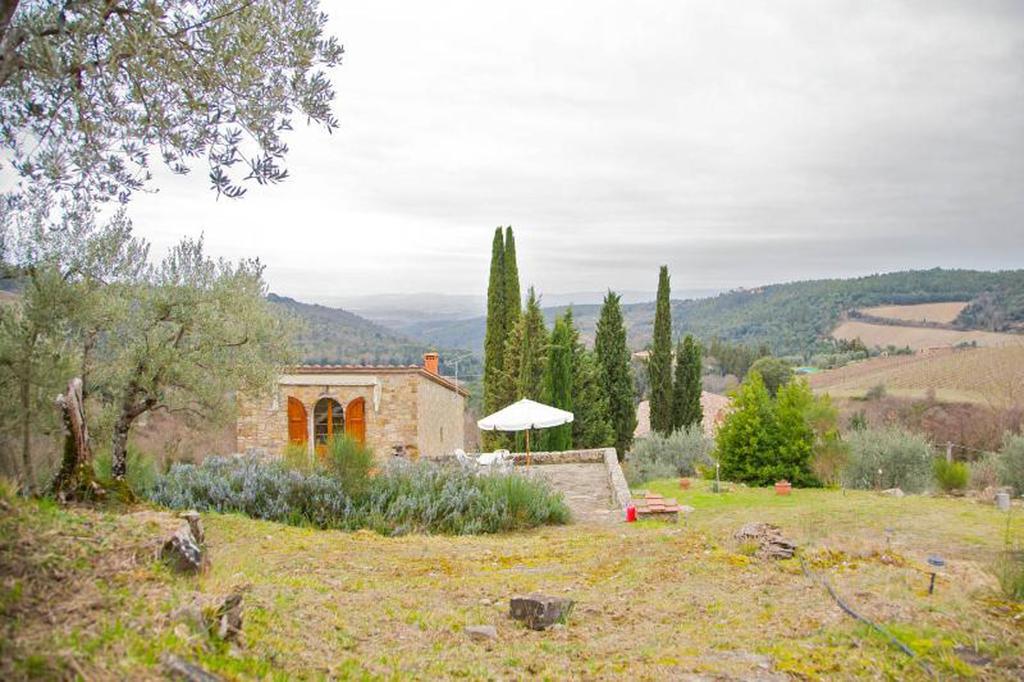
81, 595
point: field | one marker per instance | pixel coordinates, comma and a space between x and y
884, 335
83, 597
992, 376
943, 313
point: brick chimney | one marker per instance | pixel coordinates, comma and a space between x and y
430, 362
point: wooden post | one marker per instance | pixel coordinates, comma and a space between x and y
949, 452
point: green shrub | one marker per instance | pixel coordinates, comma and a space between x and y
876, 392
1011, 471
984, 472
1009, 565
903, 458
296, 456
774, 372
141, 474
830, 459
1009, 571
418, 498
680, 454
951, 476
764, 440
350, 462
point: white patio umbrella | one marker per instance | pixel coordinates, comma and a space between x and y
523, 416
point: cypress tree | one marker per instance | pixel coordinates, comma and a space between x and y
558, 382
659, 364
533, 348
686, 409
495, 334
617, 382
507, 392
513, 298
525, 357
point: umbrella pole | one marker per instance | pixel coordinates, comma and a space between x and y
527, 447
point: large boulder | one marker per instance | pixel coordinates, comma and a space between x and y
539, 611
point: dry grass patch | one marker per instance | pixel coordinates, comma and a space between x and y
652, 600
884, 335
943, 313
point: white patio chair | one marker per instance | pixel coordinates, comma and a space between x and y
464, 460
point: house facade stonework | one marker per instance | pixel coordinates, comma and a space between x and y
410, 410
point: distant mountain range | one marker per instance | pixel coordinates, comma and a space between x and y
405, 312
792, 318
337, 336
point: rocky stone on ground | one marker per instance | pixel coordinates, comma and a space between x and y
539, 611
893, 492
178, 668
226, 622
195, 524
481, 633
182, 552
770, 542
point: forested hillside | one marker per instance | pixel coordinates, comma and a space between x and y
795, 317
336, 336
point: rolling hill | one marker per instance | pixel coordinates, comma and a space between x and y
990, 376
337, 336
792, 318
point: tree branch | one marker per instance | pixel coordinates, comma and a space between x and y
7, 9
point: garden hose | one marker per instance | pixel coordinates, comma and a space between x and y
823, 581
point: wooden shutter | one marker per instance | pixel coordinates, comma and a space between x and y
296, 421
355, 420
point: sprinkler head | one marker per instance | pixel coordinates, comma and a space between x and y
936, 562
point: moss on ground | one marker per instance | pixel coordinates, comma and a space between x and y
80, 594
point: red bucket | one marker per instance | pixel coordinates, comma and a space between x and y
630, 514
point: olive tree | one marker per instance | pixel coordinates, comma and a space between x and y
192, 334
48, 331
88, 89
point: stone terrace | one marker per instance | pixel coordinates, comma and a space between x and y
591, 481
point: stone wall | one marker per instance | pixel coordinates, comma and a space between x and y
402, 409
440, 419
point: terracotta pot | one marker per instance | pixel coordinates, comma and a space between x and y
684, 483
783, 487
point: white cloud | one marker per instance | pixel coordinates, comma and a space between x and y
738, 144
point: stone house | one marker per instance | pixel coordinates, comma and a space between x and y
394, 409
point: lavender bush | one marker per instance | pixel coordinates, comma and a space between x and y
418, 498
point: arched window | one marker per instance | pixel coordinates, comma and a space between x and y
328, 420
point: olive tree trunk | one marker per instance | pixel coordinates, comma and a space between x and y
75, 480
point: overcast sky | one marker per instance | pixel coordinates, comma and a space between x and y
740, 143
